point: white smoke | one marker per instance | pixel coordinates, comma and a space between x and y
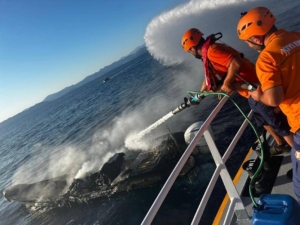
49, 162
62, 160
106, 142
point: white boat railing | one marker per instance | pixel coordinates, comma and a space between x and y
236, 205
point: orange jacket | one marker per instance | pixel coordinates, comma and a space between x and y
279, 64
221, 55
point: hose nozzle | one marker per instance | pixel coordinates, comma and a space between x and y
182, 106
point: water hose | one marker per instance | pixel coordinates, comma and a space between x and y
252, 179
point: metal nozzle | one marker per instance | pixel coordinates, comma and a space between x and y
182, 106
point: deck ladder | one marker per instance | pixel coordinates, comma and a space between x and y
236, 204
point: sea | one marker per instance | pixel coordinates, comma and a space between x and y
78, 132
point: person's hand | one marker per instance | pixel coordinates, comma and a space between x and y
256, 94
227, 88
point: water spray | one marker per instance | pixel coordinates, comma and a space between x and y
194, 100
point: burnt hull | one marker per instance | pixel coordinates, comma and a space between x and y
118, 175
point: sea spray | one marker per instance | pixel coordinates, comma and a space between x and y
134, 141
164, 32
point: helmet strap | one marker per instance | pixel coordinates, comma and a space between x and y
253, 43
197, 55
263, 41
199, 46
263, 45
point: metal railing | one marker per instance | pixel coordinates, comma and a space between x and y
236, 204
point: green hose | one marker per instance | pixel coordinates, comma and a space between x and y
255, 131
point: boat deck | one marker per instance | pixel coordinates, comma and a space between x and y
282, 185
272, 181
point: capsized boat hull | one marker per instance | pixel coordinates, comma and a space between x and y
118, 175
43, 191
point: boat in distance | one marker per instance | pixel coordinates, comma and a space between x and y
106, 79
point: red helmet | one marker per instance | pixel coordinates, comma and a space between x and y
191, 38
256, 22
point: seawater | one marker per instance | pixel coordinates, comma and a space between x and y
81, 130
88, 126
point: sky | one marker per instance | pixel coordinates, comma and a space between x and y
48, 45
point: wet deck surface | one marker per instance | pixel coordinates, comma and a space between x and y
283, 184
